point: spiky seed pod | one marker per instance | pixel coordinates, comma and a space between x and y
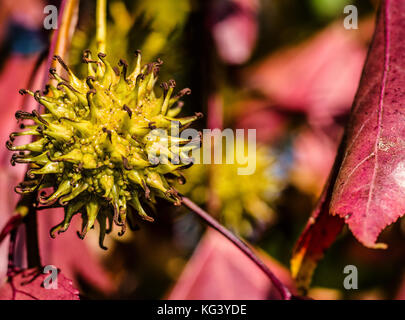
93, 144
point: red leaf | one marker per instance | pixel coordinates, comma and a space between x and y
368, 179
219, 271
370, 189
319, 234
27, 284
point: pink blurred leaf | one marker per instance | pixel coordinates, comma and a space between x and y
31, 17
32, 14
318, 77
234, 29
27, 284
220, 271
314, 153
270, 124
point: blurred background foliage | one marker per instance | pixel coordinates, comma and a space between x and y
287, 68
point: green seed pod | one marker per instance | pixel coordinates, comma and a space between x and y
94, 144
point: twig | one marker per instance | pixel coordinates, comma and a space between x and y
284, 291
31, 235
11, 252
101, 25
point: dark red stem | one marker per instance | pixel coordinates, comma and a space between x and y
284, 291
11, 251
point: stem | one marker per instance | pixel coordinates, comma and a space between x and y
101, 25
31, 236
11, 252
284, 291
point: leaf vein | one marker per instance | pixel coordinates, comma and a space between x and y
381, 102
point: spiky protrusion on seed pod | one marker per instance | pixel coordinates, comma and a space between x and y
93, 144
